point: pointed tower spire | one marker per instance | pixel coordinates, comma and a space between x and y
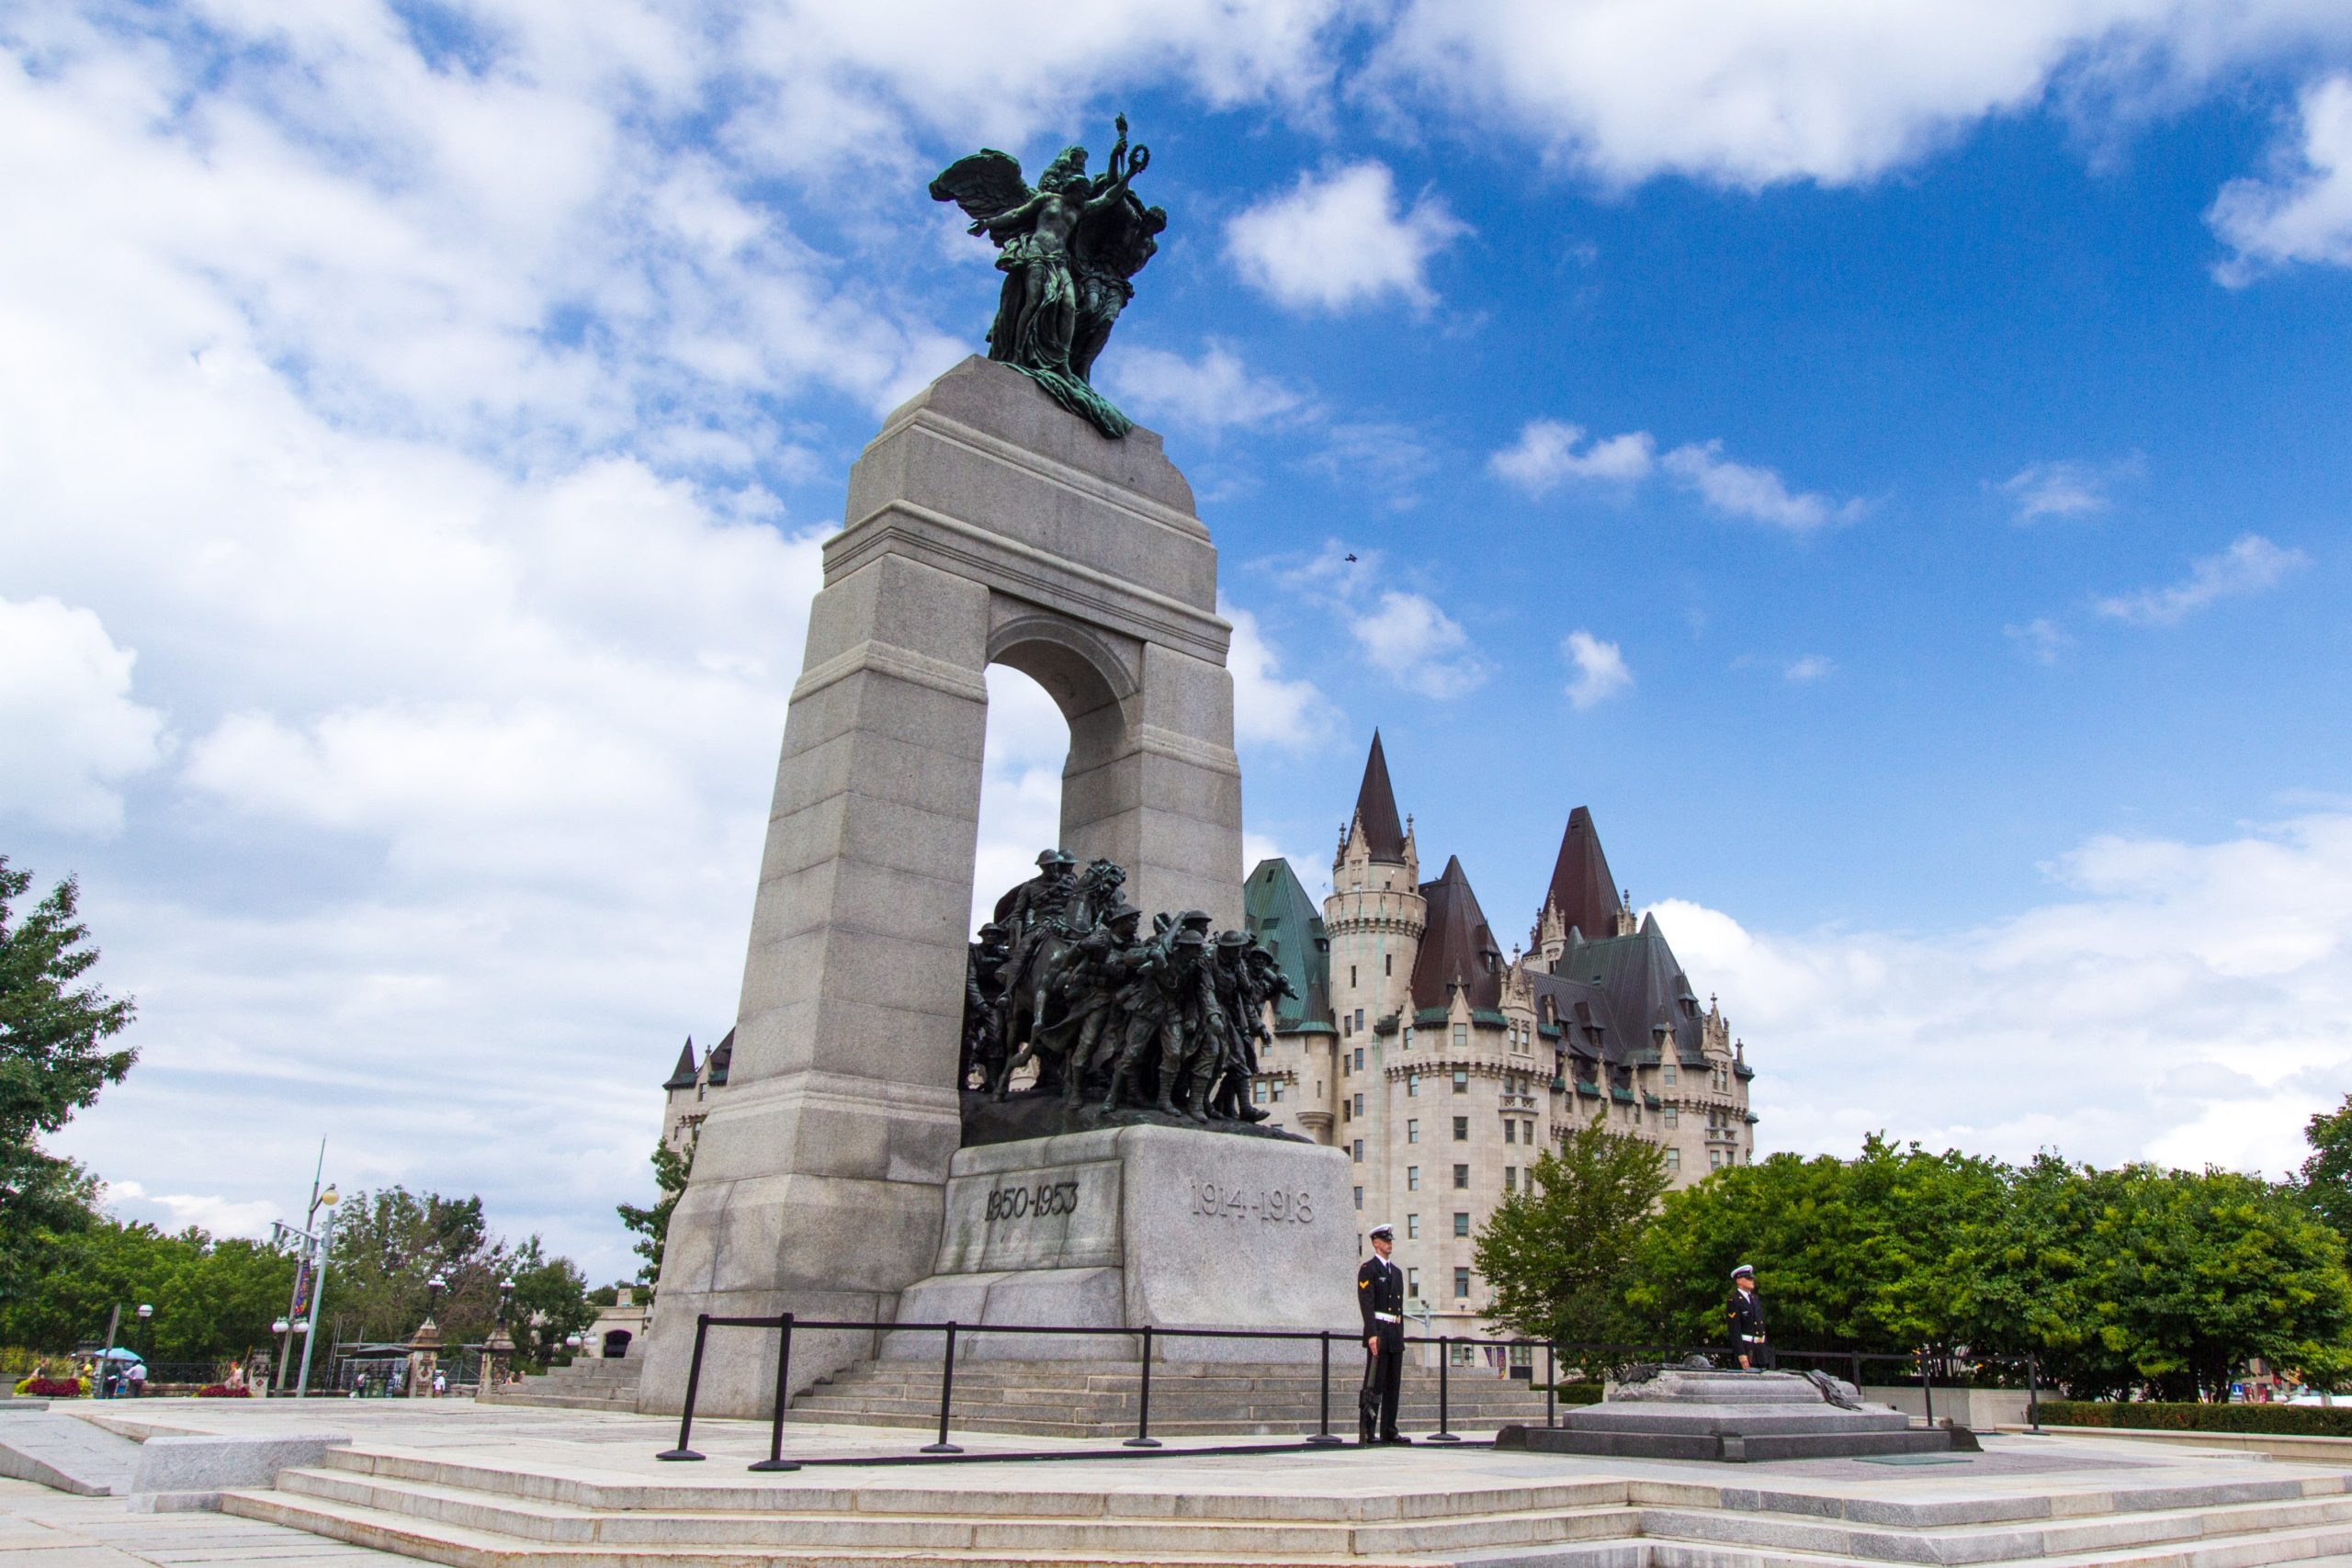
1384, 832
1582, 888
683, 1075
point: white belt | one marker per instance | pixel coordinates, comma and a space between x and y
1386, 1317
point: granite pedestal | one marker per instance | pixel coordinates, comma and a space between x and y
985, 525
1732, 1416
1136, 1226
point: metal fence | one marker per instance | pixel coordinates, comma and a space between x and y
784, 1325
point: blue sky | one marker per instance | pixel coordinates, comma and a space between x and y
1890, 466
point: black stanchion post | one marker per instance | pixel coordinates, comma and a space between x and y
2032, 1393
947, 1393
1551, 1386
1857, 1359
776, 1459
1444, 1364
1323, 1439
1926, 1389
1143, 1437
693, 1381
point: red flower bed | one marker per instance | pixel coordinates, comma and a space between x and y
51, 1388
222, 1391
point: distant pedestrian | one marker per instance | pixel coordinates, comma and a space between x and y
440, 1384
1746, 1315
137, 1379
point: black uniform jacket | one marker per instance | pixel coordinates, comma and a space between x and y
1380, 1287
1747, 1315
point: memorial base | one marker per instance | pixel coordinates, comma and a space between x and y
1732, 1416
1129, 1226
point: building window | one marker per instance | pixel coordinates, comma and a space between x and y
1359, 1200
1412, 1084
1352, 976
1413, 1284
1344, 1028
1461, 1283
1358, 1049
1409, 1037
1510, 1131
1358, 1151
1343, 1056
1388, 964
1412, 1129
1412, 1227
1510, 1179
1359, 1104
1258, 1094
1462, 1080
1462, 1034
1346, 1114
1670, 1072
1278, 1091
1669, 1115
1412, 1179
1714, 1159
1462, 1224
1462, 1178
1674, 1160
1461, 1129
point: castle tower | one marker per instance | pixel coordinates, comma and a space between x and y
1375, 914
1582, 897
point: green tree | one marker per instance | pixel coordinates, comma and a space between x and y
1851, 1255
390, 1246
53, 1062
2326, 1176
214, 1300
551, 1301
652, 1226
1559, 1254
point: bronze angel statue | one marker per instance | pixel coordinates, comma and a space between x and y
1067, 249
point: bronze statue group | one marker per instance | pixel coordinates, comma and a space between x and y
1065, 978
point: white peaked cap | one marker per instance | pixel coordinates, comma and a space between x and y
1743, 1269
1383, 1228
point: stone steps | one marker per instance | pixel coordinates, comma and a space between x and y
596, 1385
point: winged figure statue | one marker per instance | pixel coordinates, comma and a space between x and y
1069, 249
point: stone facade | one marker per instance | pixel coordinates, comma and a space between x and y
687, 1092
1443, 1068
984, 525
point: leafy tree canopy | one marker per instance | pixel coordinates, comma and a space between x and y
390, 1246
213, 1299
53, 1062
1557, 1255
652, 1226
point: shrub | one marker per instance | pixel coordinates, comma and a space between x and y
54, 1388
1572, 1393
222, 1391
2271, 1420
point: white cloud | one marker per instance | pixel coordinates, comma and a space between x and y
2194, 994
2251, 565
2064, 488
2041, 639
1267, 709
177, 1211
1213, 392
1341, 240
1601, 672
1419, 646
1810, 668
1764, 91
1758, 495
2303, 211
1546, 453
74, 734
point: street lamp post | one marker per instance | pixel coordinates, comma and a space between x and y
425, 1345
146, 1339
321, 1243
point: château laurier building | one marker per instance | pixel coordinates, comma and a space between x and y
1444, 1068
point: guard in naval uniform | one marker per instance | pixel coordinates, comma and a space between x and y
1380, 1294
1746, 1315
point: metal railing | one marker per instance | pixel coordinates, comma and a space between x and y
788, 1323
